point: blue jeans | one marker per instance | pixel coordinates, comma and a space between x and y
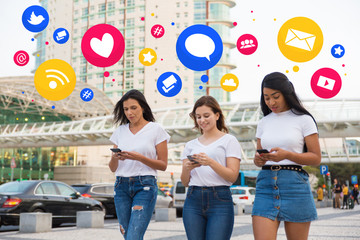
135, 199
208, 213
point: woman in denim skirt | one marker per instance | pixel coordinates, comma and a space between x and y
210, 165
289, 133
143, 146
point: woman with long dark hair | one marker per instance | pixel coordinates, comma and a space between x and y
143, 146
210, 165
289, 133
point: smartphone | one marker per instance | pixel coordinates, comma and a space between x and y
260, 151
191, 158
115, 150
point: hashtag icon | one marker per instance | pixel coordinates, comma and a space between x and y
87, 94
157, 31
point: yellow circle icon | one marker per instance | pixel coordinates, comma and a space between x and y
147, 56
300, 39
229, 82
55, 79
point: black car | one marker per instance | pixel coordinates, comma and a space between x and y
53, 197
103, 192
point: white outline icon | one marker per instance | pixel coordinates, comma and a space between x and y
53, 84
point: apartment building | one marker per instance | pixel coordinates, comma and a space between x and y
77, 16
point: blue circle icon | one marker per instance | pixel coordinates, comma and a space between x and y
199, 47
61, 35
86, 94
35, 18
169, 84
338, 51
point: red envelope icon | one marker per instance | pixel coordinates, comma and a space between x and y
299, 39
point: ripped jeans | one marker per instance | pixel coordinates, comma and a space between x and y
135, 199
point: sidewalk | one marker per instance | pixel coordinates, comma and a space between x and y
332, 224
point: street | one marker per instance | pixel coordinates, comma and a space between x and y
332, 224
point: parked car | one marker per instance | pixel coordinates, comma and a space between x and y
163, 200
179, 197
103, 192
243, 195
53, 197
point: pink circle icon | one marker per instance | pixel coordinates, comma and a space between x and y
103, 45
157, 31
21, 58
326, 83
247, 44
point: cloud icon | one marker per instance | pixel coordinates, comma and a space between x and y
229, 82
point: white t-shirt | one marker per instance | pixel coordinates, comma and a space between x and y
285, 130
226, 146
143, 142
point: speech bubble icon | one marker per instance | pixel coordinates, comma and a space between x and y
200, 45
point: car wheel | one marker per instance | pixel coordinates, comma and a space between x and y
100, 209
179, 212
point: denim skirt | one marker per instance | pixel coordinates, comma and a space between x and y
284, 195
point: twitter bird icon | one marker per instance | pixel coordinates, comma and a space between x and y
35, 18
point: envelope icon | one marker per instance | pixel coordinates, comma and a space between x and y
299, 39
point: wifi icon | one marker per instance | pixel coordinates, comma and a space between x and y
55, 79
53, 84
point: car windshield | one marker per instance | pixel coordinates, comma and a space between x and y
80, 189
180, 188
237, 191
15, 187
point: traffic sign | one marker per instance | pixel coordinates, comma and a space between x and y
354, 179
324, 169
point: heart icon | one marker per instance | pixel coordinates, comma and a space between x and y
104, 46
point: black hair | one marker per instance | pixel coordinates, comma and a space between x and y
279, 81
119, 114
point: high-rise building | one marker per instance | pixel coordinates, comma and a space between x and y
134, 19
77, 16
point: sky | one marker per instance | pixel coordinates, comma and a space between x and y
338, 21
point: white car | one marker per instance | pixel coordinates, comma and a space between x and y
243, 195
163, 200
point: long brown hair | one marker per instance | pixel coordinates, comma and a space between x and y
215, 107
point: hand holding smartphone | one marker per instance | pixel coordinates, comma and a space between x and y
260, 151
115, 150
192, 159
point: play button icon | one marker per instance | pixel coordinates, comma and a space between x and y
326, 83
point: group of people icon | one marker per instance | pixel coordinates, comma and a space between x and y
247, 43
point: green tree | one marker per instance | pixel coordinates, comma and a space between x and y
341, 171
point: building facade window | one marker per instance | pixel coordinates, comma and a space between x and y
130, 22
101, 7
85, 11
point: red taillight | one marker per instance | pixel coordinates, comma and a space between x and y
245, 197
11, 202
86, 195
